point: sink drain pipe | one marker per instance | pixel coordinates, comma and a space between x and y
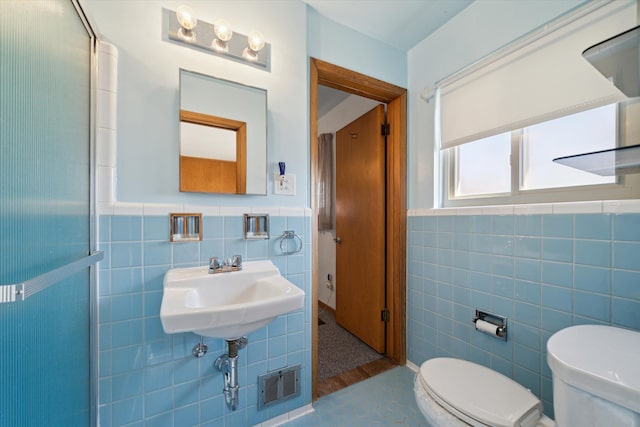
228, 365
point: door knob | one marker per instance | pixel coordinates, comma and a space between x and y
337, 240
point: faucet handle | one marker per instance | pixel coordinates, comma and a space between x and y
214, 263
236, 262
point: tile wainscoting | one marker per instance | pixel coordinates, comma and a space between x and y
543, 271
147, 377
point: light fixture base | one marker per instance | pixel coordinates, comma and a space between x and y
205, 39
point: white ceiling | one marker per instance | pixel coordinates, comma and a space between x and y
399, 23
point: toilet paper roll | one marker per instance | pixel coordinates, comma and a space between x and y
487, 327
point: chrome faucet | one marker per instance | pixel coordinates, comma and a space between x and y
216, 265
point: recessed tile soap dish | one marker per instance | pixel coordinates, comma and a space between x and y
185, 227
256, 226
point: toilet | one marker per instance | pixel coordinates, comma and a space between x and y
596, 382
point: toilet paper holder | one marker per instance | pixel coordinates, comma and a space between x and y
491, 324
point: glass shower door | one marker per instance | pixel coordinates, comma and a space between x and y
45, 215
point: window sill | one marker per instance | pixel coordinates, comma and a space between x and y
606, 206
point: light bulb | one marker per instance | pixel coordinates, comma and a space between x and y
255, 40
223, 30
186, 17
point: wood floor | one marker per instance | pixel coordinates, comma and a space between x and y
353, 376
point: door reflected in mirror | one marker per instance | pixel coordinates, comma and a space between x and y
223, 140
212, 154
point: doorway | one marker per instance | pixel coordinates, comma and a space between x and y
322, 73
351, 240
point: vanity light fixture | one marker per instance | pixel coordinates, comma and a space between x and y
218, 38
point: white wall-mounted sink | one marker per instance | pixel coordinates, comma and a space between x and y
226, 305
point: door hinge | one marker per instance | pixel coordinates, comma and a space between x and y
385, 129
384, 315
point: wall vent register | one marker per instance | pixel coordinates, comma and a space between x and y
279, 385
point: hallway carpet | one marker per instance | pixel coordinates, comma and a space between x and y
338, 349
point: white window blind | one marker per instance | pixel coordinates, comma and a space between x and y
545, 79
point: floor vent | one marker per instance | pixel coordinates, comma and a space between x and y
279, 385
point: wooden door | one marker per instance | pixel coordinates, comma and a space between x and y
360, 228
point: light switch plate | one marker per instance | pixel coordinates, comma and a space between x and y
285, 184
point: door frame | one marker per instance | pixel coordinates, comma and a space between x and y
326, 74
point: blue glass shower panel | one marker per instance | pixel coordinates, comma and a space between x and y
45, 69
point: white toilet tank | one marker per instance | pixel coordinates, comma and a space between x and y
596, 376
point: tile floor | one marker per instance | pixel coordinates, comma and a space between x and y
384, 400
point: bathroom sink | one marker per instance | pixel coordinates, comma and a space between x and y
226, 305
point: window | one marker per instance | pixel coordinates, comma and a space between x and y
518, 166
499, 122
591, 130
482, 167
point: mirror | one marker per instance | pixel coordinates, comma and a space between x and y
223, 136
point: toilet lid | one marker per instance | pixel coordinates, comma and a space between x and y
478, 394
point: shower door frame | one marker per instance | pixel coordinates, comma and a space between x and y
94, 359
22, 290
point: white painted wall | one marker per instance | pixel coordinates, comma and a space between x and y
340, 116
326, 266
148, 79
339, 45
147, 110
481, 28
147, 135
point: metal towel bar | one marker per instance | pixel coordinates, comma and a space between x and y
23, 290
289, 235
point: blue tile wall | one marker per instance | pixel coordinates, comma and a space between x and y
544, 272
150, 378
